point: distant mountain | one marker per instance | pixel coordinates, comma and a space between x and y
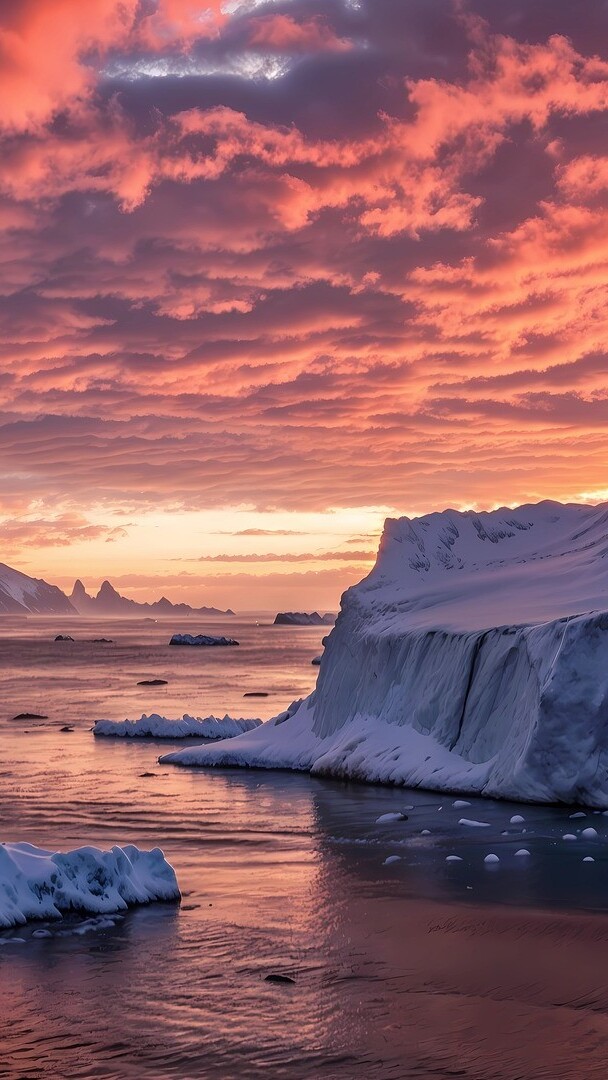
20, 594
304, 618
109, 602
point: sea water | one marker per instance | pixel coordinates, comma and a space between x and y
417, 968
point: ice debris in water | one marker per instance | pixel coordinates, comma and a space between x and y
474, 824
459, 804
159, 727
568, 836
517, 819
391, 859
589, 834
490, 859
522, 851
588, 858
397, 816
40, 884
453, 858
579, 814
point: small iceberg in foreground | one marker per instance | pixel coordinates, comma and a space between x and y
201, 639
39, 884
159, 727
471, 659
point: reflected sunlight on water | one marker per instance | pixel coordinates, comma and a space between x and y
421, 969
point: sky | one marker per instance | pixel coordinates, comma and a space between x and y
271, 272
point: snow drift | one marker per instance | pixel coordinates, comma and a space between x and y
473, 658
39, 884
159, 727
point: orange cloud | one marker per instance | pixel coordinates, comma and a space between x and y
282, 33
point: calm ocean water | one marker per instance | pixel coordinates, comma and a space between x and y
418, 969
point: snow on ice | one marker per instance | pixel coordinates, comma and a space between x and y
159, 727
39, 884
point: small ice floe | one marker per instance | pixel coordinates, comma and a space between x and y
391, 859
522, 851
491, 859
579, 813
201, 639
425, 832
588, 858
397, 816
569, 836
517, 819
474, 824
39, 884
159, 727
42, 934
453, 858
460, 804
589, 834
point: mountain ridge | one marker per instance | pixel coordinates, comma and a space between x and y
108, 601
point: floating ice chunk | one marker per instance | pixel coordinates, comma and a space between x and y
425, 832
491, 859
517, 819
459, 804
568, 836
159, 727
453, 858
589, 834
39, 884
201, 639
397, 816
579, 813
391, 859
473, 823
522, 851
588, 858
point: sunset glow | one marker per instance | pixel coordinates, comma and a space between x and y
271, 272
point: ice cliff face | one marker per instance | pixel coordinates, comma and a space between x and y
473, 658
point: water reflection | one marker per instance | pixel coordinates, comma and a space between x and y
417, 969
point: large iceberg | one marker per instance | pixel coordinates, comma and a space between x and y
39, 884
473, 658
159, 727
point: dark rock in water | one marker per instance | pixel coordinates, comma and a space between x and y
64, 637
153, 682
201, 639
316, 660
102, 641
256, 693
147, 774
66, 727
276, 978
30, 716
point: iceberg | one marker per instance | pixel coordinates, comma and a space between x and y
472, 659
39, 884
159, 727
201, 639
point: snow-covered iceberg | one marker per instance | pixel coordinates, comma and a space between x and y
473, 658
159, 727
39, 884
